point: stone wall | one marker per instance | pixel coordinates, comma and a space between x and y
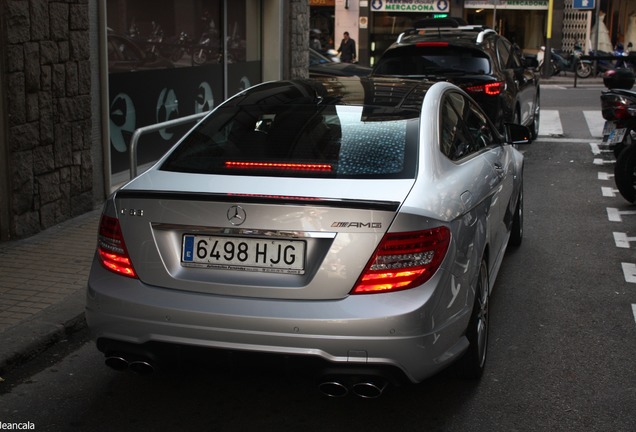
299, 38
47, 74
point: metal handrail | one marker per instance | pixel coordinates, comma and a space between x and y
153, 128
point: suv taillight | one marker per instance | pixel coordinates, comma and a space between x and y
112, 249
490, 89
403, 261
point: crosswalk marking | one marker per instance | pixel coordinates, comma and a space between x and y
550, 124
595, 123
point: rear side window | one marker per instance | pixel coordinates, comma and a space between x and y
301, 141
465, 129
425, 60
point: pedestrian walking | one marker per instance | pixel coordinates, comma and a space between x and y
347, 49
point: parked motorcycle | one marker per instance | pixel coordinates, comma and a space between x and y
562, 62
207, 50
618, 105
183, 46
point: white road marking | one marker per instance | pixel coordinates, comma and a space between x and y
605, 176
608, 192
563, 139
634, 310
614, 215
599, 161
550, 123
629, 271
595, 123
622, 241
597, 149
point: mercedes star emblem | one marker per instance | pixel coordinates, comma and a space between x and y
236, 215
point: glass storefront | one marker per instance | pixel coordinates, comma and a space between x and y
169, 59
321, 23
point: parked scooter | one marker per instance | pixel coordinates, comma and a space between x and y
561, 62
618, 106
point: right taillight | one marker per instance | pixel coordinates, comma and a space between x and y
403, 261
112, 249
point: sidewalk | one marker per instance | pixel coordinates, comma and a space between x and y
42, 287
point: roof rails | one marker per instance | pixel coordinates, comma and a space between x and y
483, 31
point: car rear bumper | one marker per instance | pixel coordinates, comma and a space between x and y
396, 330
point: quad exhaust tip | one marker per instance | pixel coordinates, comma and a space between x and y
121, 363
366, 389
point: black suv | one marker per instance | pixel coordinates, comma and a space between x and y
485, 64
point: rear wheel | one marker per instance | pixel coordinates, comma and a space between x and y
625, 173
474, 359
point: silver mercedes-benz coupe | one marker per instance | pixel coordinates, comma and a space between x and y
359, 221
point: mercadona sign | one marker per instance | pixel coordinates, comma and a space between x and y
409, 5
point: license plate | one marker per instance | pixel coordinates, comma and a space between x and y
616, 136
242, 253
608, 127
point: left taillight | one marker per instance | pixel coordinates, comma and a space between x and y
112, 249
404, 260
490, 89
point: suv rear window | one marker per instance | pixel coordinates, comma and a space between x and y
301, 141
423, 59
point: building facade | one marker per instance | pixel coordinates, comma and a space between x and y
375, 24
78, 77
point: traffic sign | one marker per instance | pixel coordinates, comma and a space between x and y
583, 4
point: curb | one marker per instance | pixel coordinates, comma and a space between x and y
26, 340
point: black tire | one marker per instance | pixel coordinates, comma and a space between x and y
583, 70
516, 232
472, 363
534, 127
625, 173
619, 147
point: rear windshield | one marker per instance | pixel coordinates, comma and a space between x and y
301, 141
425, 60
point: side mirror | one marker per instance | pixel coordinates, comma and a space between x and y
517, 134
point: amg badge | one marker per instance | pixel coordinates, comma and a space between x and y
356, 225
